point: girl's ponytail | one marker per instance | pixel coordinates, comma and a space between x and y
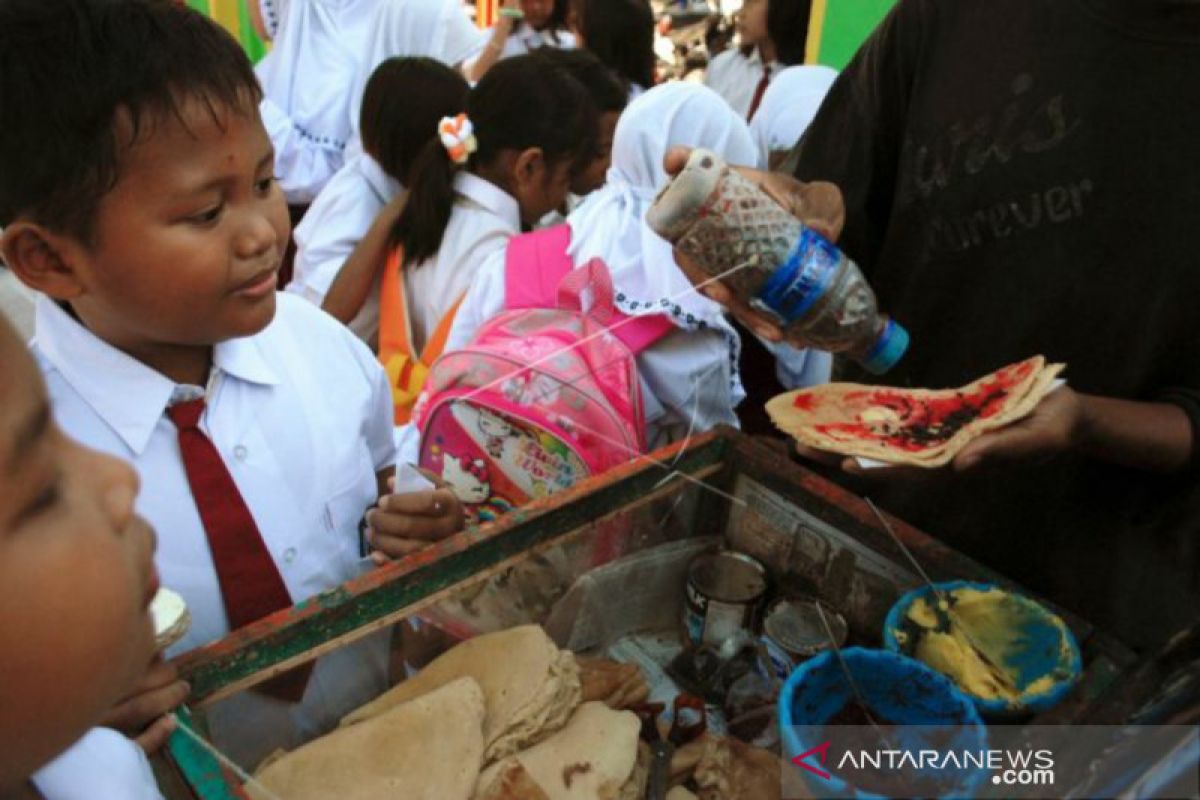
426, 213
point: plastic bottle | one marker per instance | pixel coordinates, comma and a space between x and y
738, 234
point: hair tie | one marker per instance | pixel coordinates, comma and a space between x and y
458, 137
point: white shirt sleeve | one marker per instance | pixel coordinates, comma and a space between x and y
484, 300
688, 373
799, 368
303, 165
103, 763
463, 40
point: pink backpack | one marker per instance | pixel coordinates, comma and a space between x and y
547, 393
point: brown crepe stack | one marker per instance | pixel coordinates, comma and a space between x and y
916, 427
530, 687
725, 768
597, 756
429, 748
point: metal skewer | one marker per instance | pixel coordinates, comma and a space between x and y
855, 689
943, 602
226, 761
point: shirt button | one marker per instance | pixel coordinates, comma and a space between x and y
240, 452
289, 555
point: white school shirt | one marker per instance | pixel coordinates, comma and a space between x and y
688, 381
484, 218
735, 77
331, 229
526, 40
301, 414
102, 764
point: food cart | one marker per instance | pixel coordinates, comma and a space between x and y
816, 539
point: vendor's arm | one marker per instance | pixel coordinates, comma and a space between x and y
356, 277
1156, 437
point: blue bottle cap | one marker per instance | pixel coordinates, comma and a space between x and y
888, 350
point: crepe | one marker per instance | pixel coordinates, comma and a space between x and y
595, 757
430, 748
918, 427
171, 618
530, 687
730, 769
613, 683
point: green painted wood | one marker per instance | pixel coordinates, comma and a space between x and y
203, 773
353, 606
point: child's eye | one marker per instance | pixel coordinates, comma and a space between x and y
208, 215
265, 185
45, 500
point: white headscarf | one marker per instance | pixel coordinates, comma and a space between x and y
436, 29
313, 62
788, 107
610, 224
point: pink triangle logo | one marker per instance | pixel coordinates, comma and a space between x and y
822, 751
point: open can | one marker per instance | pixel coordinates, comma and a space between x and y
725, 592
793, 632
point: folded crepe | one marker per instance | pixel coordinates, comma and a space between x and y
917, 427
430, 748
597, 756
529, 686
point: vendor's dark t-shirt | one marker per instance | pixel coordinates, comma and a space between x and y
1023, 177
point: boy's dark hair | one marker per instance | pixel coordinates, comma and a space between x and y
402, 104
520, 103
787, 25
621, 34
555, 25
68, 68
608, 90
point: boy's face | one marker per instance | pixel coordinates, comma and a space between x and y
188, 242
76, 577
591, 177
752, 22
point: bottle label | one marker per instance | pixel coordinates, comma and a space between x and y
803, 276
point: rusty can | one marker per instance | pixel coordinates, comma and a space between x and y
725, 591
792, 632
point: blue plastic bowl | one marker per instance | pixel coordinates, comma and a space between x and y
898, 689
1042, 646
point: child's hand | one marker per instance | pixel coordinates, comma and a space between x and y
404, 523
144, 715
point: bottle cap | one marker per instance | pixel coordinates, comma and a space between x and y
888, 350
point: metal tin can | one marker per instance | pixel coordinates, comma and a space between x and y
792, 632
725, 591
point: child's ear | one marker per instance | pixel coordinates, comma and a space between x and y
528, 167
41, 259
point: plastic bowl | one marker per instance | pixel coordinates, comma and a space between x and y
898, 689
1032, 645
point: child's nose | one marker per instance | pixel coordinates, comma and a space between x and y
258, 235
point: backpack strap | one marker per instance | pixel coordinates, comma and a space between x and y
406, 372
535, 266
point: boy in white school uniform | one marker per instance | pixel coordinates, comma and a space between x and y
260, 427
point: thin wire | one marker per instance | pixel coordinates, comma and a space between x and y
225, 761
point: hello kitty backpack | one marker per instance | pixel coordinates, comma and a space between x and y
547, 393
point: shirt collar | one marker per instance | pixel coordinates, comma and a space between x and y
383, 185
128, 395
490, 196
755, 60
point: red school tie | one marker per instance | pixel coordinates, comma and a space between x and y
759, 91
251, 586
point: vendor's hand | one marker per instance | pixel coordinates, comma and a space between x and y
819, 205
144, 715
400, 524
1052, 428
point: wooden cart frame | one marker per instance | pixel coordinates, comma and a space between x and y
815, 537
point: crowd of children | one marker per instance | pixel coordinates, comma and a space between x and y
148, 169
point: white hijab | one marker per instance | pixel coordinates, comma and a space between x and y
788, 107
313, 62
436, 29
610, 224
